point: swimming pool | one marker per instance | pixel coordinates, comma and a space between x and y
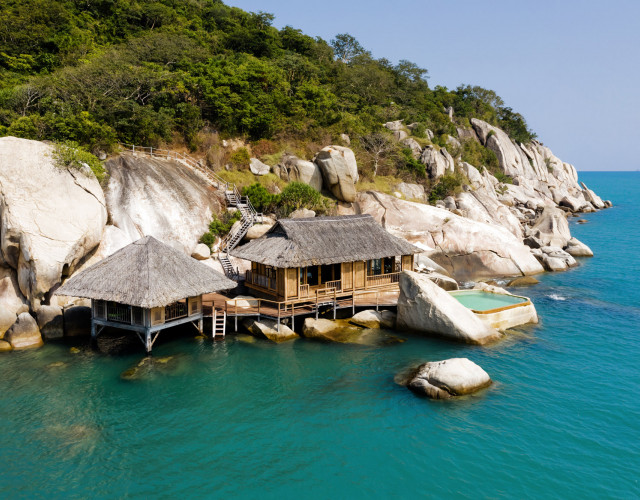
500, 311
480, 301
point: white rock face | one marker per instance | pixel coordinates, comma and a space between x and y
258, 168
159, 198
448, 378
201, 252
293, 169
425, 307
50, 218
466, 249
393, 126
339, 171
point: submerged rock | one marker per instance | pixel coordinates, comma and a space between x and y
343, 332
448, 378
425, 307
149, 365
268, 329
523, 281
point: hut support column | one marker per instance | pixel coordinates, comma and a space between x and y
147, 339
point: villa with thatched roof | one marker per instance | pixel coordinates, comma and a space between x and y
145, 287
301, 259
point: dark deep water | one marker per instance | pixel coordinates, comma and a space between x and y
306, 419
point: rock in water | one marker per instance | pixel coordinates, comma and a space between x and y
330, 331
523, 281
552, 228
269, 329
339, 171
448, 378
51, 217
5, 346
50, 322
425, 307
576, 248
374, 319
24, 333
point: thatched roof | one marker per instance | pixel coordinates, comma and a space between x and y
146, 273
323, 240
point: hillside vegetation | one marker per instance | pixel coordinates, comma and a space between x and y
193, 72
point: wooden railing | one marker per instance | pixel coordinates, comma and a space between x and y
334, 284
382, 279
119, 313
304, 290
175, 311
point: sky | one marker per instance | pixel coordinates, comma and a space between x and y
569, 66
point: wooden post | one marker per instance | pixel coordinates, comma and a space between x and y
278, 318
335, 303
147, 338
293, 317
200, 324
316, 304
376, 301
353, 303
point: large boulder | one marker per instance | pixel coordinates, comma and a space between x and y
50, 321
448, 378
268, 329
24, 333
201, 252
411, 191
576, 248
293, 169
51, 217
437, 162
592, 197
425, 307
258, 168
482, 207
374, 319
330, 330
302, 213
258, 230
466, 249
12, 302
551, 228
413, 145
160, 198
339, 171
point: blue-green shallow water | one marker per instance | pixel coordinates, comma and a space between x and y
315, 420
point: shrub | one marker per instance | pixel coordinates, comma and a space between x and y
70, 155
219, 226
298, 195
261, 199
447, 185
240, 157
476, 154
409, 164
420, 130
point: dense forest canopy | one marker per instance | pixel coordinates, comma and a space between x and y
149, 72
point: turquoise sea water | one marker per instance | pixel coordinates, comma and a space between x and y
485, 301
313, 420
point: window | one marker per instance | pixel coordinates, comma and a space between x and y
374, 267
312, 275
389, 264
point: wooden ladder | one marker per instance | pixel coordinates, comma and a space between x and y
219, 323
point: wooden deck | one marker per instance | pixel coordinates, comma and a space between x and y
246, 307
